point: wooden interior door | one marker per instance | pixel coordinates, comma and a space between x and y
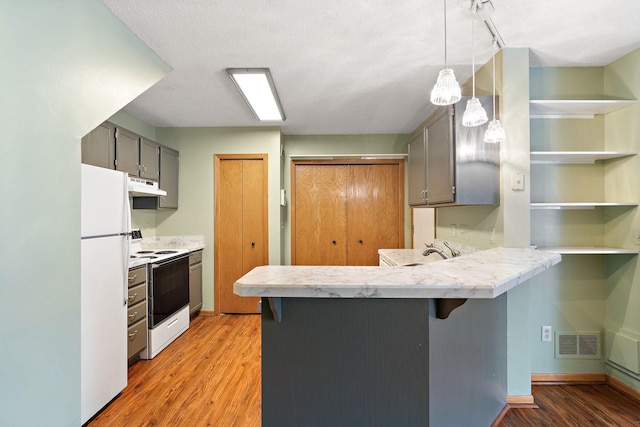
319, 215
373, 211
240, 229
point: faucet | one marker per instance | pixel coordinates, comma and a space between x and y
454, 252
432, 249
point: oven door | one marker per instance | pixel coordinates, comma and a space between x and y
168, 288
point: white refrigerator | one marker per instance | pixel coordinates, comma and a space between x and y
105, 225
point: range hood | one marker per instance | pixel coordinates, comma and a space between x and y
143, 187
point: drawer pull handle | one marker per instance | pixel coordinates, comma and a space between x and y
132, 336
133, 297
133, 316
132, 278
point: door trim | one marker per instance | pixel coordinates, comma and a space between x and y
217, 244
346, 161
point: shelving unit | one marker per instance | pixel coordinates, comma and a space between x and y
574, 108
578, 109
588, 250
576, 157
579, 205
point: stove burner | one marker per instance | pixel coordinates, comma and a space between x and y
149, 256
166, 252
144, 252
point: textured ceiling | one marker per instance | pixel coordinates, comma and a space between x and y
350, 67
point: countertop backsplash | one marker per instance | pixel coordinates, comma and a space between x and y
190, 243
464, 249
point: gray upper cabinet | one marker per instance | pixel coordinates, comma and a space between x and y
169, 164
450, 164
127, 155
98, 146
149, 159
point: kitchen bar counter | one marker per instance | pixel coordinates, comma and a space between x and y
483, 274
364, 346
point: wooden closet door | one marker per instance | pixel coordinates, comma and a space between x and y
241, 229
229, 267
374, 209
254, 248
320, 222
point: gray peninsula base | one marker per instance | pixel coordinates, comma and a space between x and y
383, 362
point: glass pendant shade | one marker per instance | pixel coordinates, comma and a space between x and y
474, 115
495, 132
447, 90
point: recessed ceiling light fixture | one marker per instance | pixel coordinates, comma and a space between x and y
257, 88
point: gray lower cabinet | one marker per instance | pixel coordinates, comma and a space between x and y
195, 282
98, 146
149, 159
127, 154
450, 164
137, 311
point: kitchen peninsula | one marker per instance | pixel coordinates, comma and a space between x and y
364, 346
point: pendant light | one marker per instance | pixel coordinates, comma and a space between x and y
474, 115
495, 132
446, 90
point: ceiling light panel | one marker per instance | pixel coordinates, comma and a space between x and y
258, 90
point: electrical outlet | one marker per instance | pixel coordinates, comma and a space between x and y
463, 232
637, 241
546, 333
492, 237
454, 231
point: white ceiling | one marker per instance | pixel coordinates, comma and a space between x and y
350, 67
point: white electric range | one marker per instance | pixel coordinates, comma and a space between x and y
167, 292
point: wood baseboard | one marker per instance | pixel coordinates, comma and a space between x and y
501, 415
207, 313
521, 401
560, 379
622, 387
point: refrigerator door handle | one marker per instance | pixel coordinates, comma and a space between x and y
125, 240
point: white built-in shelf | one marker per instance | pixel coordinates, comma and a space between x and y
574, 108
576, 157
588, 250
579, 205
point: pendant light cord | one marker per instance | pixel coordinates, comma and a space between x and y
494, 83
445, 33
473, 52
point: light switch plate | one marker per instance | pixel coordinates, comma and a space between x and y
517, 181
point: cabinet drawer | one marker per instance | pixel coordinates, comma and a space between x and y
195, 257
137, 312
136, 338
137, 275
136, 294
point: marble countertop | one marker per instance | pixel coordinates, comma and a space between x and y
188, 243
482, 274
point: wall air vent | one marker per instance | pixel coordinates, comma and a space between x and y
577, 345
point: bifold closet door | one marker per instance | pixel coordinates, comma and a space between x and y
240, 229
320, 215
373, 211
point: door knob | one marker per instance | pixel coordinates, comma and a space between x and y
360, 241
333, 241
253, 244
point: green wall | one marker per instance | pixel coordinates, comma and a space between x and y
69, 65
197, 148
622, 183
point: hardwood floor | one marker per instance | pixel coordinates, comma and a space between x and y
576, 406
210, 376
